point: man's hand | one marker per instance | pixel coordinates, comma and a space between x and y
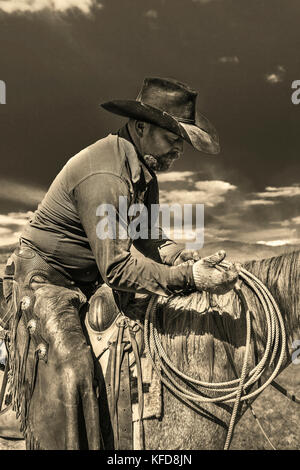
188, 255
211, 277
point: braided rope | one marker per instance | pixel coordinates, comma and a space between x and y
237, 388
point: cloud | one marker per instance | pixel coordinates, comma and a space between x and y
254, 223
257, 202
296, 220
283, 191
11, 239
33, 6
209, 193
14, 218
11, 226
216, 186
291, 241
152, 17
4, 231
19, 192
245, 217
269, 234
289, 222
229, 60
217, 233
175, 176
152, 14
214, 191
277, 76
269, 196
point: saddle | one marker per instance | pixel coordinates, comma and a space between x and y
118, 348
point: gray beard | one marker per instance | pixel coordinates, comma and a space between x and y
151, 161
159, 163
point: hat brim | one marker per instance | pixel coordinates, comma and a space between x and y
201, 135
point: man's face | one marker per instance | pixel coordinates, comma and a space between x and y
160, 148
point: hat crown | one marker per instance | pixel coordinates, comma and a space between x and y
170, 96
171, 105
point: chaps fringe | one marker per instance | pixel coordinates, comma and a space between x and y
19, 386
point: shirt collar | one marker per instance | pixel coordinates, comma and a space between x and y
138, 167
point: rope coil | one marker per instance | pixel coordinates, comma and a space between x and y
233, 391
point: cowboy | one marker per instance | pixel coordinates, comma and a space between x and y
61, 244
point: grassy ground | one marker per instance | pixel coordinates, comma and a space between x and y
11, 444
279, 417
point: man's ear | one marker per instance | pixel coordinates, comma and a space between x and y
140, 127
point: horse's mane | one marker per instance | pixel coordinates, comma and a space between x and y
282, 276
184, 317
277, 272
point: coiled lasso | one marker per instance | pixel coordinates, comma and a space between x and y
234, 391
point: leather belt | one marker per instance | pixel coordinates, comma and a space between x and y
25, 263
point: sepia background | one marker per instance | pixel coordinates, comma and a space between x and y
61, 58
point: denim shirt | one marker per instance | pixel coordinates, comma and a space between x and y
63, 230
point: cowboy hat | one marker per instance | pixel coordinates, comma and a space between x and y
171, 105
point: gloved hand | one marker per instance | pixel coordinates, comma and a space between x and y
211, 277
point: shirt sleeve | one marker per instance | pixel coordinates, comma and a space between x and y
159, 248
119, 268
162, 250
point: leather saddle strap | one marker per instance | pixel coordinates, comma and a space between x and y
139, 385
14, 360
124, 407
112, 388
117, 354
117, 372
118, 389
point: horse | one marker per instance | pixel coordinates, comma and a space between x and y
204, 335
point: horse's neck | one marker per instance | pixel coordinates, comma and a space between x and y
195, 327
282, 277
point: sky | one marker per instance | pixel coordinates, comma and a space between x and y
61, 58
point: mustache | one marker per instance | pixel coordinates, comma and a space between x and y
162, 162
174, 155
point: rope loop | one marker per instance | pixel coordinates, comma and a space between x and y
233, 391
